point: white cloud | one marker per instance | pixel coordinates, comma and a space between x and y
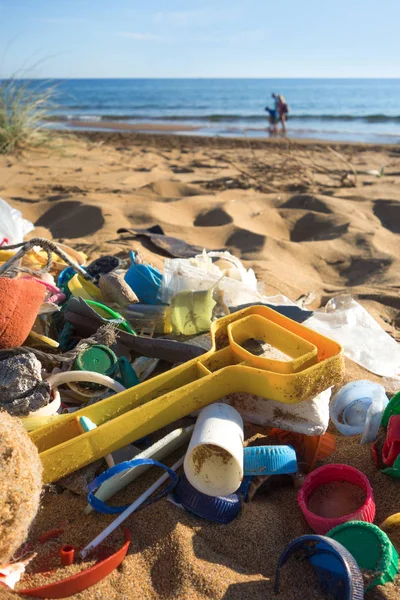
143, 37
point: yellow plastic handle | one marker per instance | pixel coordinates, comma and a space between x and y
153, 404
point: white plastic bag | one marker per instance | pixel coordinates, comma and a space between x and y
13, 227
239, 285
363, 340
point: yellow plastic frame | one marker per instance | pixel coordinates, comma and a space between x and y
151, 405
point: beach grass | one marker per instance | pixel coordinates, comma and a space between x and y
23, 111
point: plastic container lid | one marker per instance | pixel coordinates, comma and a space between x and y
336, 569
98, 358
329, 474
269, 460
393, 408
220, 509
370, 547
358, 408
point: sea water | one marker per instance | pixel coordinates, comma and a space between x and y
366, 110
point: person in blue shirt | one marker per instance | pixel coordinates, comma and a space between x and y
278, 113
273, 114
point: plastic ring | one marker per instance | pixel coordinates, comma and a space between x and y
269, 460
219, 509
102, 507
336, 569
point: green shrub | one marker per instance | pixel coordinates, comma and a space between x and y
23, 111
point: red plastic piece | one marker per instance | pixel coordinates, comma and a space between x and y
391, 447
67, 554
81, 581
375, 456
50, 535
328, 474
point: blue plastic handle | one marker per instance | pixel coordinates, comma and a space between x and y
102, 507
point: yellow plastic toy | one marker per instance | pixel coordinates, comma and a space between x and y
314, 364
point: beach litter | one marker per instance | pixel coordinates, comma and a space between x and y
184, 363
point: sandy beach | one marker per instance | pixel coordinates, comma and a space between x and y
313, 220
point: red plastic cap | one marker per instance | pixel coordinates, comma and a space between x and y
329, 474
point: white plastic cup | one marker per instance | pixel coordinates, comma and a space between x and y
214, 459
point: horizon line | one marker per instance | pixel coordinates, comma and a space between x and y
213, 78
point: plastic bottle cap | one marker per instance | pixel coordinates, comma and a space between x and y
329, 474
98, 358
220, 509
370, 547
336, 569
269, 460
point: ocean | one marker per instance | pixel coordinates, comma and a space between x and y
364, 110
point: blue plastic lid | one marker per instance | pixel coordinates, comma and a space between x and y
144, 280
244, 486
269, 460
336, 569
222, 509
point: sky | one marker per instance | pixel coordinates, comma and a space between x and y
208, 38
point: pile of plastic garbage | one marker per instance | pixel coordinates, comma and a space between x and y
98, 355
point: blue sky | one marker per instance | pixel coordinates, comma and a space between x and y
211, 38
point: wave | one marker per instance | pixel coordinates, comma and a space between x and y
226, 118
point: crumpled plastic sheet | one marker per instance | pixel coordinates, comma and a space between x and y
13, 227
364, 341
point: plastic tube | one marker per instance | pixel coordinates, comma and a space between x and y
60, 378
67, 555
214, 460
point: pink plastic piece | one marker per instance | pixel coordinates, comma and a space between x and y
329, 474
